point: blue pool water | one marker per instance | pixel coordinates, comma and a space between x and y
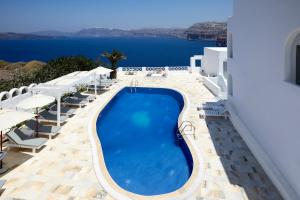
141, 51
137, 132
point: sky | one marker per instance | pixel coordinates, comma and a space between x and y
72, 15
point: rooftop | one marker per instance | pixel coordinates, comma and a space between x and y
221, 49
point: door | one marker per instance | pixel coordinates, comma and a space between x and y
298, 65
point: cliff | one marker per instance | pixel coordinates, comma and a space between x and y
209, 30
204, 31
16, 36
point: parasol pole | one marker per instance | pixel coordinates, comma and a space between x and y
95, 83
1, 150
37, 123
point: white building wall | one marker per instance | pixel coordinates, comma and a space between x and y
213, 60
264, 106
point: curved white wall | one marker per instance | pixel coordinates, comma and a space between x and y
263, 100
14, 92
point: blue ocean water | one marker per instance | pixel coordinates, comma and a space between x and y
138, 138
141, 51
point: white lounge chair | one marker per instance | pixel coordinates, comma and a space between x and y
212, 105
74, 102
214, 113
18, 138
98, 87
63, 110
45, 130
49, 117
84, 96
2, 182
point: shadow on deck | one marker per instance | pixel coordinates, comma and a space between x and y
241, 167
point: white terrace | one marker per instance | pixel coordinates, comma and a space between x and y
64, 169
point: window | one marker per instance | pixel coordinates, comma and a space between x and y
230, 85
292, 69
225, 72
298, 65
229, 46
198, 63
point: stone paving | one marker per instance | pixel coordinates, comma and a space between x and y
63, 169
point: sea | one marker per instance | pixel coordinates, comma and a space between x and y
140, 51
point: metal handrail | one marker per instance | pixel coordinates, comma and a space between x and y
133, 85
180, 130
183, 122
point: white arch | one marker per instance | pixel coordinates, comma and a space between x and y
290, 55
14, 92
32, 85
23, 89
4, 96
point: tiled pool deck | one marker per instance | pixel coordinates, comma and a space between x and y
63, 169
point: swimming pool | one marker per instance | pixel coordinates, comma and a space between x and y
137, 132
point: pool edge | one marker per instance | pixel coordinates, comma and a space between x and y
114, 189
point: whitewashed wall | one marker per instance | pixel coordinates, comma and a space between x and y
213, 60
265, 105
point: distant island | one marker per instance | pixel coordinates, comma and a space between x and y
198, 31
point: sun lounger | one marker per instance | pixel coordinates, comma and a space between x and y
2, 169
218, 102
149, 74
19, 139
83, 96
74, 102
101, 85
130, 73
63, 110
212, 105
49, 117
214, 113
2, 182
114, 80
98, 88
45, 130
2, 155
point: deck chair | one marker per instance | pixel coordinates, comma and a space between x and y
2, 182
49, 117
212, 105
63, 110
2, 155
214, 113
74, 102
18, 138
83, 96
44, 130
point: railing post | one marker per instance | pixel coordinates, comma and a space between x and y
58, 110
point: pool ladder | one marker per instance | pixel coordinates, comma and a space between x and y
133, 85
186, 128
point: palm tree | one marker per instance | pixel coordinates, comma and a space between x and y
114, 57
